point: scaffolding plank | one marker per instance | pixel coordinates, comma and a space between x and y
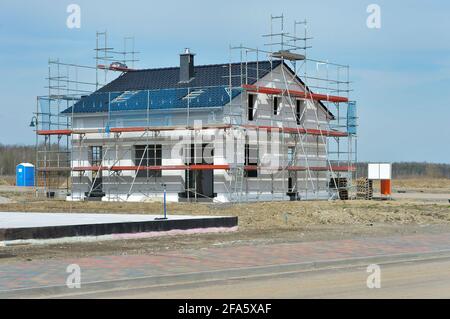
298, 130
166, 128
301, 94
131, 129
269, 128
54, 132
199, 167
292, 130
152, 168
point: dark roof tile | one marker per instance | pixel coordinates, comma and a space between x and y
213, 78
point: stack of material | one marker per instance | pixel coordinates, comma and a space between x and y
364, 188
340, 183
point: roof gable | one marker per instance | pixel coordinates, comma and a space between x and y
303, 84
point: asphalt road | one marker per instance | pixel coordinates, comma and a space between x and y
423, 279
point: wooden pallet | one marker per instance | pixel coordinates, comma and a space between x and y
340, 183
364, 188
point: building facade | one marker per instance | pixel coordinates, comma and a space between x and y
225, 133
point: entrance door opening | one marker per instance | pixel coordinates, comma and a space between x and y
199, 183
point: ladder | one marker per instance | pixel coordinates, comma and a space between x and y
237, 173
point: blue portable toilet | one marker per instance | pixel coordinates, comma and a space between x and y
25, 174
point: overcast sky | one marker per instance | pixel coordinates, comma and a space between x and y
401, 72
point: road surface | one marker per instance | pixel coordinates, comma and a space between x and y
424, 279
411, 266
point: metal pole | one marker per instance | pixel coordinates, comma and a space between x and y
165, 203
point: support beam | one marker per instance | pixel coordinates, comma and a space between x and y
299, 130
300, 94
200, 167
54, 132
291, 130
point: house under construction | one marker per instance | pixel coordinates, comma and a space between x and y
264, 127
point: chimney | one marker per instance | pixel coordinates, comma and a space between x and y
186, 66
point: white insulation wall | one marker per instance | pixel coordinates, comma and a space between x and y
269, 185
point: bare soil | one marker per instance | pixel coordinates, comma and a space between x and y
423, 185
8, 180
259, 223
264, 215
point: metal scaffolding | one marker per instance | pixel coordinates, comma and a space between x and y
320, 153
67, 83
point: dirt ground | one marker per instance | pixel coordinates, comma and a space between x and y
6, 180
264, 222
422, 185
262, 215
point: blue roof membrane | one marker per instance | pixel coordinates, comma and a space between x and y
161, 88
154, 100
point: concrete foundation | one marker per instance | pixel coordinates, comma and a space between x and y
35, 226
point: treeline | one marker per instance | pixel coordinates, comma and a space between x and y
11, 155
413, 169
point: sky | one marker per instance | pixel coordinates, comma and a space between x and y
400, 71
